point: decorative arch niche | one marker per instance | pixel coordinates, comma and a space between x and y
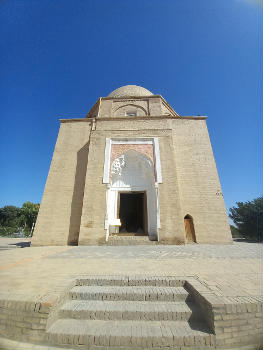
125, 110
133, 172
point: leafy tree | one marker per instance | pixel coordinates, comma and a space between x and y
9, 220
9, 215
235, 232
248, 217
14, 219
29, 213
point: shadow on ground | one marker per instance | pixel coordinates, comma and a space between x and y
21, 244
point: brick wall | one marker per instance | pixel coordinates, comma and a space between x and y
75, 193
60, 211
200, 189
118, 150
23, 320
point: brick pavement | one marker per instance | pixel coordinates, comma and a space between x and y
40, 274
232, 270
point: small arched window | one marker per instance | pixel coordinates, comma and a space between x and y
189, 229
131, 113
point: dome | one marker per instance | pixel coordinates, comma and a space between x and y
130, 90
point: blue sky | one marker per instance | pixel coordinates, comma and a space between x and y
57, 57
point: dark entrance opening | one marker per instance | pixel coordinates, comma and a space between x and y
133, 213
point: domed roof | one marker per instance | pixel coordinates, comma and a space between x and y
130, 90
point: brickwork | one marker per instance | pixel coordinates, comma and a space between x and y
118, 150
92, 226
120, 108
238, 320
234, 320
59, 215
36, 284
135, 302
200, 191
73, 208
129, 310
23, 320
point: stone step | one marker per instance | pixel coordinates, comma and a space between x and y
116, 334
138, 293
130, 281
125, 310
130, 240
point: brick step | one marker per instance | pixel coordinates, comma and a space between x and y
130, 240
118, 334
138, 293
125, 310
130, 281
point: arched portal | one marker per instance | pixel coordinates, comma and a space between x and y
189, 229
132, 195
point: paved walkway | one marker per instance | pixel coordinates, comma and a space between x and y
42, 273
7, 344
227, 270
7, 243
192, 251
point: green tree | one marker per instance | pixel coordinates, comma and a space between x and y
248, 218
235, 232
28, 216
9, 220
9, 215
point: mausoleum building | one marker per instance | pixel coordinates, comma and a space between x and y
132, 167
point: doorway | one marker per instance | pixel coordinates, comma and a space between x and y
189, 229
133, 213
133, 173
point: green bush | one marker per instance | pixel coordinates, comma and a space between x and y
13, 219
8, 230
247, 217
235, 232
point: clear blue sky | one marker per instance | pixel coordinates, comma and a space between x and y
58, 56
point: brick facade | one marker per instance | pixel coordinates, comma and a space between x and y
73, 207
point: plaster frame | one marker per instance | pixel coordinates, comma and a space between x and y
137, 141
106, 173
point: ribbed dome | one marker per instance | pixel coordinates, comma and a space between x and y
130, 90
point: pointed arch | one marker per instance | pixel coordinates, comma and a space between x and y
132, 168
133, 172
189, 229
122, 110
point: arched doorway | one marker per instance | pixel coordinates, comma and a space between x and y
132, 195
189, 229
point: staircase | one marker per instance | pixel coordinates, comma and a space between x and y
129, 312
129, 240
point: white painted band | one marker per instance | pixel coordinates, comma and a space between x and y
157, 161
106, 174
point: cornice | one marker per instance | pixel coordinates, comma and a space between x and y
99, 119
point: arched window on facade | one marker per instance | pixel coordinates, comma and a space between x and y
189, 229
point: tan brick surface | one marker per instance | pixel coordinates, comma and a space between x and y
59, 216
118, 150
74, 201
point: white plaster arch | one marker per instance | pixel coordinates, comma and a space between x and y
131, 172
